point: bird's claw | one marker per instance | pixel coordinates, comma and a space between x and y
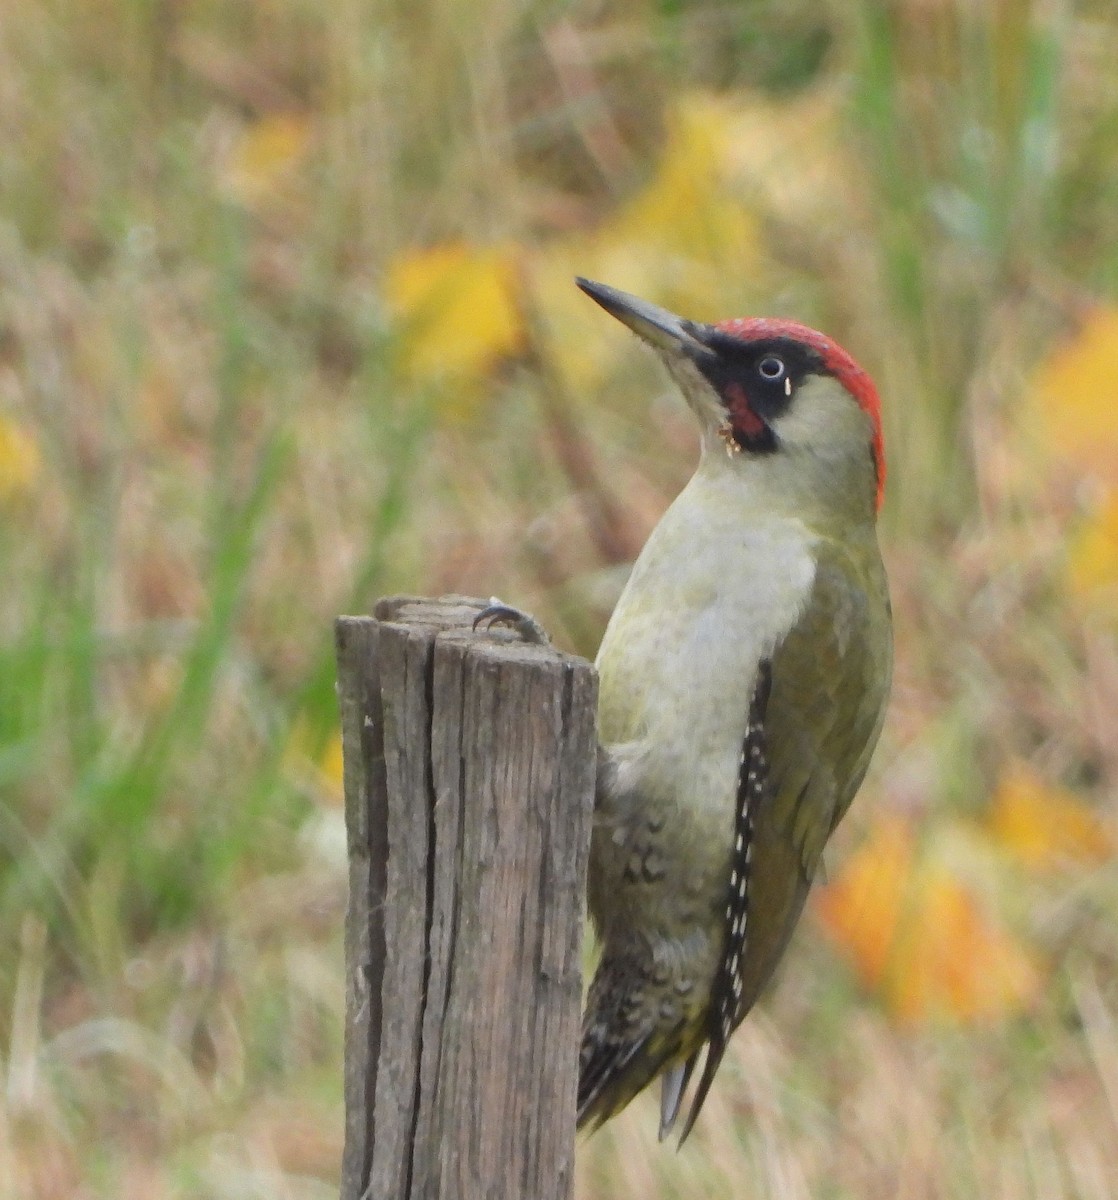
498, 613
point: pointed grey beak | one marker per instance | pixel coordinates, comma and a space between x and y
660, 328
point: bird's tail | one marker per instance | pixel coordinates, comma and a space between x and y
625, 1044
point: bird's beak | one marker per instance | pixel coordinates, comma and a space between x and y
660, 328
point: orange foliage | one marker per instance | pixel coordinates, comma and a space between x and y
918, 936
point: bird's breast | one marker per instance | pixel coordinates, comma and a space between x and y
714, 591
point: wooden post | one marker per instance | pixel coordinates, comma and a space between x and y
469, 781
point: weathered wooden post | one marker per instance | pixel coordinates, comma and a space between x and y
469, 778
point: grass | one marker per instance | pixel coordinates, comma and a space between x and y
195, 336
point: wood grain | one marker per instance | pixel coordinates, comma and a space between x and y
469, 776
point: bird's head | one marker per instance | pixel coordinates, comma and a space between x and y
765, 386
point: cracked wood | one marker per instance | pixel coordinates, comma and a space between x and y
469, 780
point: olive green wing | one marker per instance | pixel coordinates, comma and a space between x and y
831, 678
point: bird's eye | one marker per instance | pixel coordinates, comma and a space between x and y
771, 367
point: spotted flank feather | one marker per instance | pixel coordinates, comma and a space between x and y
727, 1006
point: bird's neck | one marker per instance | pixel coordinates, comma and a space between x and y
831, 493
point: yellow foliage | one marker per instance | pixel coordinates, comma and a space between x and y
1075, 397
265, 156
917, 935
690, 239
687, 240
330, 763
1092, 562
687, 211
458, 309
1044, 826
20, 460
316, 762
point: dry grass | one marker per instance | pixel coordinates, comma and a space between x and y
199, 204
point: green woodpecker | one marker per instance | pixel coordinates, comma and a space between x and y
743, 679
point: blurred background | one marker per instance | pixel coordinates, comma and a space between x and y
287, 323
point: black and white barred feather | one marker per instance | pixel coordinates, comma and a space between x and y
727, 1009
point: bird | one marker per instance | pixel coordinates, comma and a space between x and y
743, 682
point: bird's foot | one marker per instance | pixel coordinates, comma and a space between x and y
497, 612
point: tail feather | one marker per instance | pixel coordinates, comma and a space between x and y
673, 1088
716, 1048
599, 1077
626, 1042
